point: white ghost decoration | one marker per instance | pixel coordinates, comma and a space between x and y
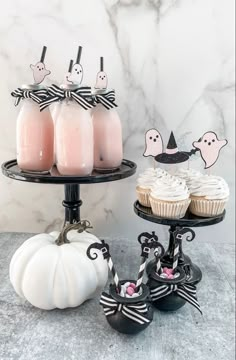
209, 146
76, 75
66, 79
102, 81
39, 72
154, 143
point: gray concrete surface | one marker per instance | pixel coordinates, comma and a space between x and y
27, 333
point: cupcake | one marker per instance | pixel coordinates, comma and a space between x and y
145, 182
209, 195
169, 198
187, 174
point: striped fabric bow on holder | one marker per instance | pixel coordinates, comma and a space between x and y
186, 291
107, 99
82, 95
36, 95
135, 312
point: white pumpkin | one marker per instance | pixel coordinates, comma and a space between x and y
51, 276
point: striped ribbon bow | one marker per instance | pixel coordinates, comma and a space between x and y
106, 99
135, 312
81, 95
35, 95
186, 291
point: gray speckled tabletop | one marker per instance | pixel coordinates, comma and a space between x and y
82, 333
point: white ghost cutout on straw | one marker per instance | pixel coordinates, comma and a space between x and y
209, 146
102, 80
39, 70
76, 74
154, 143
66, 80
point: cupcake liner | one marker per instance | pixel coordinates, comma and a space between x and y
171, 210
143, 196
207, 208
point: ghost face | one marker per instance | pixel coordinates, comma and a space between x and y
76, 75
39, 72
209, 146
101, 82
154, 143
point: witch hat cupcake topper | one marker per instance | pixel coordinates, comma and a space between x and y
172, 155
39, 69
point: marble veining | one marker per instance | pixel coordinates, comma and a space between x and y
172, 65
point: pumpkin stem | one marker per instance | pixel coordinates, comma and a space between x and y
80, 227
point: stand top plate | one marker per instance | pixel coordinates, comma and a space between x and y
189, 220
11, 170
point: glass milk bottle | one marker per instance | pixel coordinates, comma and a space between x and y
74, 138
55, 113
108, 149
35, 136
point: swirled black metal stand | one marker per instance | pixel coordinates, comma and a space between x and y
193, 273
72, 201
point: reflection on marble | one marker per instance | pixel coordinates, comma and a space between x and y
172, 65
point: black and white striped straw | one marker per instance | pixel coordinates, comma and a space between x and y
104, 248
175, 255
114, 274
158, 261
141, 273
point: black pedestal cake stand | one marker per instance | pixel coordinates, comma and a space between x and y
194, 274
72, 201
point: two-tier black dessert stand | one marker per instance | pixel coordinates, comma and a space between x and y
72, 201
194, 274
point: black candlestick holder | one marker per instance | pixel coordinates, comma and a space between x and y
72, 201
192, 271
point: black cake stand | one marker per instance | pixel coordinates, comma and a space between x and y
71, 184
194, 274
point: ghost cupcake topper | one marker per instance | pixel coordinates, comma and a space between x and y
153, 142
76, 73
39, 69
102, 80
209, 146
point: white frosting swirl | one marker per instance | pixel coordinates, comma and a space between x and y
209, 186
170, 188
148, 178
187, 174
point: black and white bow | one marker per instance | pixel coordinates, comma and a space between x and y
106, 99
134, 312
186, 291
35, 95
81, 95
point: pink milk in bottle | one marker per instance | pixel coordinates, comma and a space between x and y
55, 113
108, 149
74, 138
35, 137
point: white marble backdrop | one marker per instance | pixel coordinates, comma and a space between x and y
172, 65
